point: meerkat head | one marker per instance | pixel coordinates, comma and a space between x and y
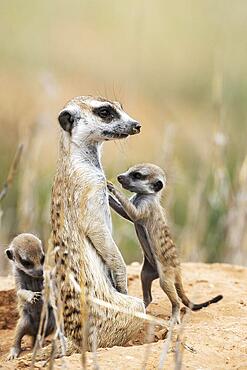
96, 120
27, 254
143, 178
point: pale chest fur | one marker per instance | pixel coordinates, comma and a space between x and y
93, 197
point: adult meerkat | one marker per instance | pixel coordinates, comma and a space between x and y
89, 265
27, 256
160, 254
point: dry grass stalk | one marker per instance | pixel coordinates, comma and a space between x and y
166, 346
180, 340
237, 220
139, 315
149, 339
94, 351
28, 200
51, 295
12, 172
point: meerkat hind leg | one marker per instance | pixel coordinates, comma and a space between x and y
168, 286
21, 330
148, 274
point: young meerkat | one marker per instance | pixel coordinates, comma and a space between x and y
27, 256
160, 254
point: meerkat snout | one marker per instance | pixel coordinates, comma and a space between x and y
27, 253
120, 178
136, 127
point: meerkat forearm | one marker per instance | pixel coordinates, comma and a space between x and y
118, 208
24, 295
109, 252
28, 296
134, 213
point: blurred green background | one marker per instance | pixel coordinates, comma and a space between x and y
179, 67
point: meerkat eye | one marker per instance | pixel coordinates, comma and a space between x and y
107, 113
26, 263
42, 259
137, 175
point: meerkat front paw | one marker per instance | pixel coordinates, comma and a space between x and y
34, 297
13, 353
122, 289
121, 284
111, 186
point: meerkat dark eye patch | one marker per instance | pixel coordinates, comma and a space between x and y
26, 263
158, 185
66, 120
107, 113
138, 176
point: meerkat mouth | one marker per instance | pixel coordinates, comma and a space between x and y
112, 136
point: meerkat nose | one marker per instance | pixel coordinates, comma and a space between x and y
136, 127
120, 178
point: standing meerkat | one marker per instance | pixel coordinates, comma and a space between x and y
27, 256
88, 262
160, 254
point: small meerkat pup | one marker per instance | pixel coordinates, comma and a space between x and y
27, 256
160, 255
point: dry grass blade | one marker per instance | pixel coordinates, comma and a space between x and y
12, 172
166, 346
149, 339
180, 345
139, 315
94, 351
51, 296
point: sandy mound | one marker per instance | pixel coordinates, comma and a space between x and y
213, 338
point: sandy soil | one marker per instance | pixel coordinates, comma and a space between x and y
213, 338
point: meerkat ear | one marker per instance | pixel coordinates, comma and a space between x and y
9, 254
158, 185
66, 120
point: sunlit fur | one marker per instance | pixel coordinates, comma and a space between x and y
160, 253
86, 254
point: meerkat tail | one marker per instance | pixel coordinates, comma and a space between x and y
198, 306
193, 306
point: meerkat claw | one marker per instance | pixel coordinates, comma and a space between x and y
13, 354
36, 297
110, 186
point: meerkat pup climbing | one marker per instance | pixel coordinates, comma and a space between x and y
160, 254
27, 256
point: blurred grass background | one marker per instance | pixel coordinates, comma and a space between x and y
177, 66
